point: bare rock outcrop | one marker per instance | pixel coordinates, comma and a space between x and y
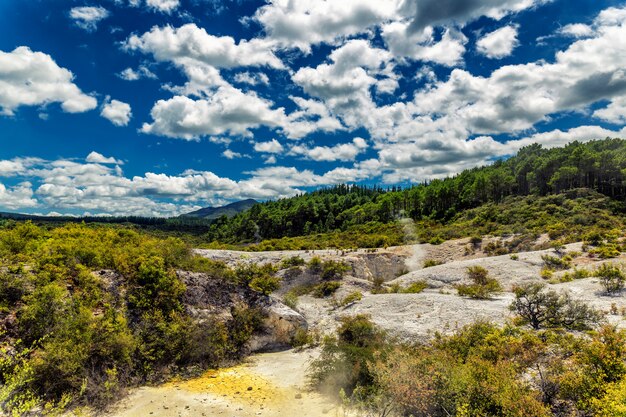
209, 298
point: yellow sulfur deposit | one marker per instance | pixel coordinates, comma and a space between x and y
237, 384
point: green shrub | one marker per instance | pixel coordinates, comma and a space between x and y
606, 251
344, 361
353, 297
431, 262
315, 265
555, 262
292, 261
611, 277
301, 338
483, 286
291, 300
415, 288
260, 278
326, 289
437, 240
334, 270
540, 308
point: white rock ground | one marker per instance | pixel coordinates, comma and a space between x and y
407, 316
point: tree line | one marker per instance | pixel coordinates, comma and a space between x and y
599, 165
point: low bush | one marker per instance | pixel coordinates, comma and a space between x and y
332, 270
353, 297
431, 262
611, 277
548, 309
555, 262
292, 261
326, 289
606, 251
415, 288
483, 286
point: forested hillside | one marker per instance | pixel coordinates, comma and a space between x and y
599, 165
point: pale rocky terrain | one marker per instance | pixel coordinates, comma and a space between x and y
279, 377
438, 308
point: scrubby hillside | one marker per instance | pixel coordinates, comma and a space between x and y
88, 311
335, 215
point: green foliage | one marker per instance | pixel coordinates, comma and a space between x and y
611, 277
315, 265
353, 297
548, 309
291, 300
415, 288
343, 362
334, 269
326, 289
431, 262
483, 286
260, 278
480, 370
81, 338
555, 262
606, 251
437, 240
291, 262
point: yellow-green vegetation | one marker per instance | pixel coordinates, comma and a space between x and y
566, 192
541, 308
431, 262
557, 262
414, 288
325, 289
260, 278
577, 273
611, 277
351, 298
482, 287
481, 370
71, 336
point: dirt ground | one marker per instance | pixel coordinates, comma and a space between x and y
270, 385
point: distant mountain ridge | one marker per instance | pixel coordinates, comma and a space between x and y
229, 210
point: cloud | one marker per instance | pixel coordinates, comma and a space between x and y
190, 44
302, 23
117, 112
163, 6
439, 12
228, 154
225, 111
422, 46
516, 97
258, 78
130, 74
339, 152
498, 44
615, 112
20, 196
576, 30
98, 158
272, 146
88, 17
30, 78
344, 84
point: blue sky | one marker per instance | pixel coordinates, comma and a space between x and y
158, 107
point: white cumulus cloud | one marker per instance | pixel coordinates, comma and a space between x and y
499, 43
30, 78
88, 17
117, 112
